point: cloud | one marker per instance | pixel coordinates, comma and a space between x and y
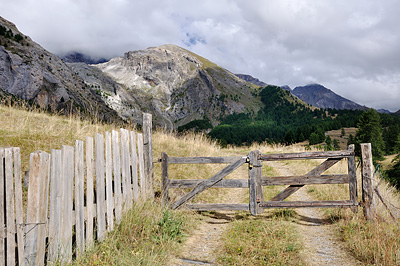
350, 47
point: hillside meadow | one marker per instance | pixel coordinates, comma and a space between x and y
150, 234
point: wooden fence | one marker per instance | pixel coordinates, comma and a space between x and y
75, 195
255, 181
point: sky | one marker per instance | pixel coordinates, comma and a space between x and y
349, 46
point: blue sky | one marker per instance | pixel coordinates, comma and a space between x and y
351, 47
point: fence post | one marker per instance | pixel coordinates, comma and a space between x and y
164, 178
148, 153
367, 175
36, 217
252, 183
259, 191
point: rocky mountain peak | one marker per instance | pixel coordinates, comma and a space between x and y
319, 96
180, 86
30, 72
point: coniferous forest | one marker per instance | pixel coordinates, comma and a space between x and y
286, 120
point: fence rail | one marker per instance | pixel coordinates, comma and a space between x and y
75, 196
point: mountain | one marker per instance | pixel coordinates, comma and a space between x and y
251, 79
383, 111
76, 57
397, 113
319, 96
176, 85
33, 74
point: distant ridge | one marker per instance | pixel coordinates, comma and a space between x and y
76, 57
251, 79
319, 96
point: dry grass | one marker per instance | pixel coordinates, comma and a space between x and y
37, 130
372, 242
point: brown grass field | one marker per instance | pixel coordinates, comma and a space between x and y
150, 234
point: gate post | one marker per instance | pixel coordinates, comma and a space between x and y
367, 175
255, 188
164, 178
351, 166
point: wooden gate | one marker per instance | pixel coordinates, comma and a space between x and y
255, 181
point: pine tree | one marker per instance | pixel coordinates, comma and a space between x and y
328, 143
370, 131
336, 145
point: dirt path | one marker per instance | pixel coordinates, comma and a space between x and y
321, 245
202, 247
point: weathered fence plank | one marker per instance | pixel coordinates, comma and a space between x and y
148, 153
19, 216
55, 205
209, 182
79, 198
302, 204
67, 154
307, 155
224, 183
36, 217
204, 160
367, 172
218, 207
134, 162
125, 169
90, 211
141, 166
100, 187
2, 208
304, 180
109, 184
10, 214
117, 176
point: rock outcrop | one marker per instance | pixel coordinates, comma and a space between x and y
30, 72
177, 86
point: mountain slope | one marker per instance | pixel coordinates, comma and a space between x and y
33, 74
251, 79
319, 96
179, 86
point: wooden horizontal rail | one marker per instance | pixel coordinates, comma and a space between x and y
218, 207
225, 183
304, 180
203, 160
301, 204
306, 155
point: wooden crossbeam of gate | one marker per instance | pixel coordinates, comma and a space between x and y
203, 185
312, 177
